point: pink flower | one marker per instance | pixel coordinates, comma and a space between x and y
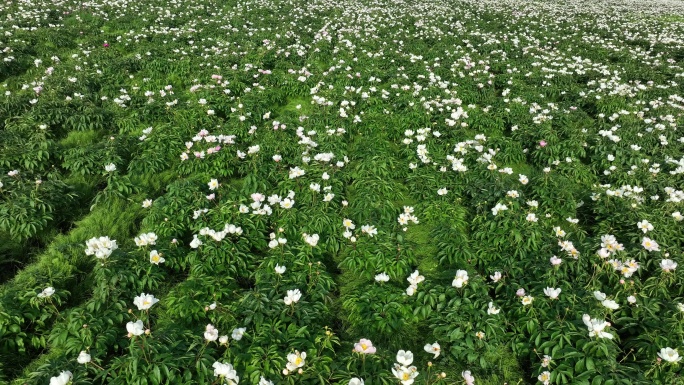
364, 346
542, 143
105, 45
520, 292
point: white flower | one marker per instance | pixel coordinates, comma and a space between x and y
110, 167
213, 184
63, 379
461, 279
238, 333
223, 340
135, 328
347, 223
263, 381
532, 217
415, 278
645, 226
356, 381
382, 277
280, 269
676, 215
295, 360
211, 333
433, 349
468, 378
491, 309
147, 203
596, 327
144, 301
669, 355
226, 372
545, 377
527, 300
496, 277
668, 265
195, 243
552, 293
405, 374
650, 244
404, 357
599, 295
631, 299
101, 247
156, 258
47, 292
610, 304
83, 357
312, 240
293, 296
442, 191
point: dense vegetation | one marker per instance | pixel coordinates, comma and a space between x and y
352, 191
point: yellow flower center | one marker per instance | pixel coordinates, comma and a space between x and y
405, 376
298, 360
364, 346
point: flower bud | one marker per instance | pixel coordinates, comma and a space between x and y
300, 371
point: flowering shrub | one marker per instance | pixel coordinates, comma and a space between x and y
354, 192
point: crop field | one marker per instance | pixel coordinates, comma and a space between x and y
346, 192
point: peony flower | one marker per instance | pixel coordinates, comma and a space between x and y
226, 372
496, 277
63, 379
238, 333
491, 309
405, 358
356, 381
364, 346
599, 296
280, 269
650, 244
295, 360
111, 167
223, 340
156, 258
468, 378
83, 357
211, 333
669, 355
668, 265
527, 300
405, 374
47, 292
382, 277
610, 304
135, 328
461, 279
145, 301
552, 293
293, 296
645, 226
312, 240
596, 327
433, 349
213, 184
147, 203
263, 381
545, 377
